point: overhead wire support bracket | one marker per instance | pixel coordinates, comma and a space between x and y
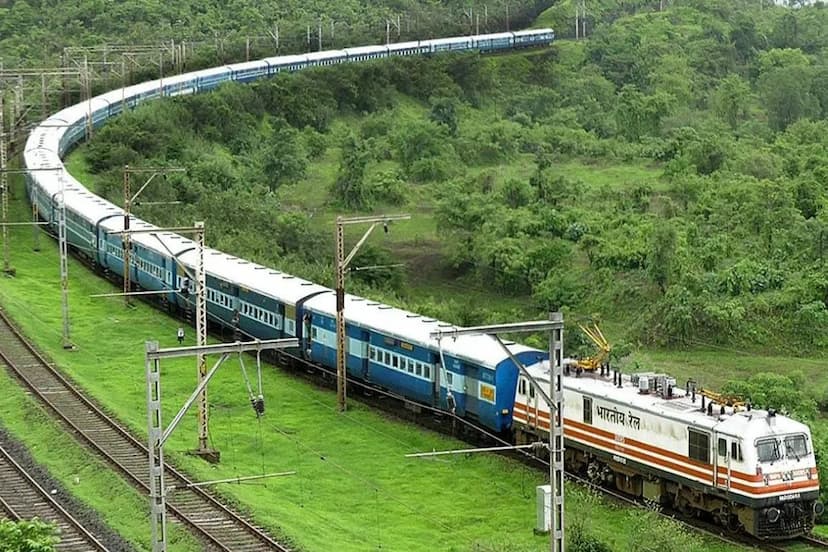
129, 200
554, 398
341, 265
158, 434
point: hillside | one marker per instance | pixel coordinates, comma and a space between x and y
664, 174
34, 33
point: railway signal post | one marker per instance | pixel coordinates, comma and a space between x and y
158, 435
130, 199
554, 398
342, 263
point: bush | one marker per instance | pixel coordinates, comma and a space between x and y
388, 187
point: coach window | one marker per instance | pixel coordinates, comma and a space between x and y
395, 361
587, 410
699, 446
722, 447
372, 353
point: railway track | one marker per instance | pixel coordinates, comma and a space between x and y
21, 497
814, 542
215, 524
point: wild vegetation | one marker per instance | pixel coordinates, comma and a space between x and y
27, 536
716, 233
34, 32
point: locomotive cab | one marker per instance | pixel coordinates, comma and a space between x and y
782, 488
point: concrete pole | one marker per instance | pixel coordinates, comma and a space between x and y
341, 374
4, 187
64, 264
126, 239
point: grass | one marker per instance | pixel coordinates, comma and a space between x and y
83, 475
353, 485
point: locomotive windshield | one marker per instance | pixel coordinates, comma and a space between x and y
768, 450
795, 447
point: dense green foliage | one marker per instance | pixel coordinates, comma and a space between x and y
33, 32
27, 536
723, 241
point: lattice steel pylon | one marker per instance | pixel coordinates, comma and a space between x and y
201, 340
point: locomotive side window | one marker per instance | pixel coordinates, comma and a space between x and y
736, 451
768, 450
699, 446
722, 447
587, 410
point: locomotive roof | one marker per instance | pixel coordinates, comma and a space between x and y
746, 424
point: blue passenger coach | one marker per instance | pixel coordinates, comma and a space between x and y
386, 347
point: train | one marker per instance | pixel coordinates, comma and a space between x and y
751, 470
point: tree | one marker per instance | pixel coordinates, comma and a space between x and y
444, 112
27, 536
638, 114
662, 251
350, 187
786, 92
730, 100
284, 157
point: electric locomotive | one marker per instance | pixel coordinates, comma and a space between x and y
750, 470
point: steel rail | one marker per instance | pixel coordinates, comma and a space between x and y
184, 504
21, 495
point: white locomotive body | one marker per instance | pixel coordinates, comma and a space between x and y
748, 469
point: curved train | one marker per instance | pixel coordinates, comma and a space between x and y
752, 470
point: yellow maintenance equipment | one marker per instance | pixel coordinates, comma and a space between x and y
601, 358
735, 401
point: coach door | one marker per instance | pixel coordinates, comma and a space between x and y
365, 340
722, 461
